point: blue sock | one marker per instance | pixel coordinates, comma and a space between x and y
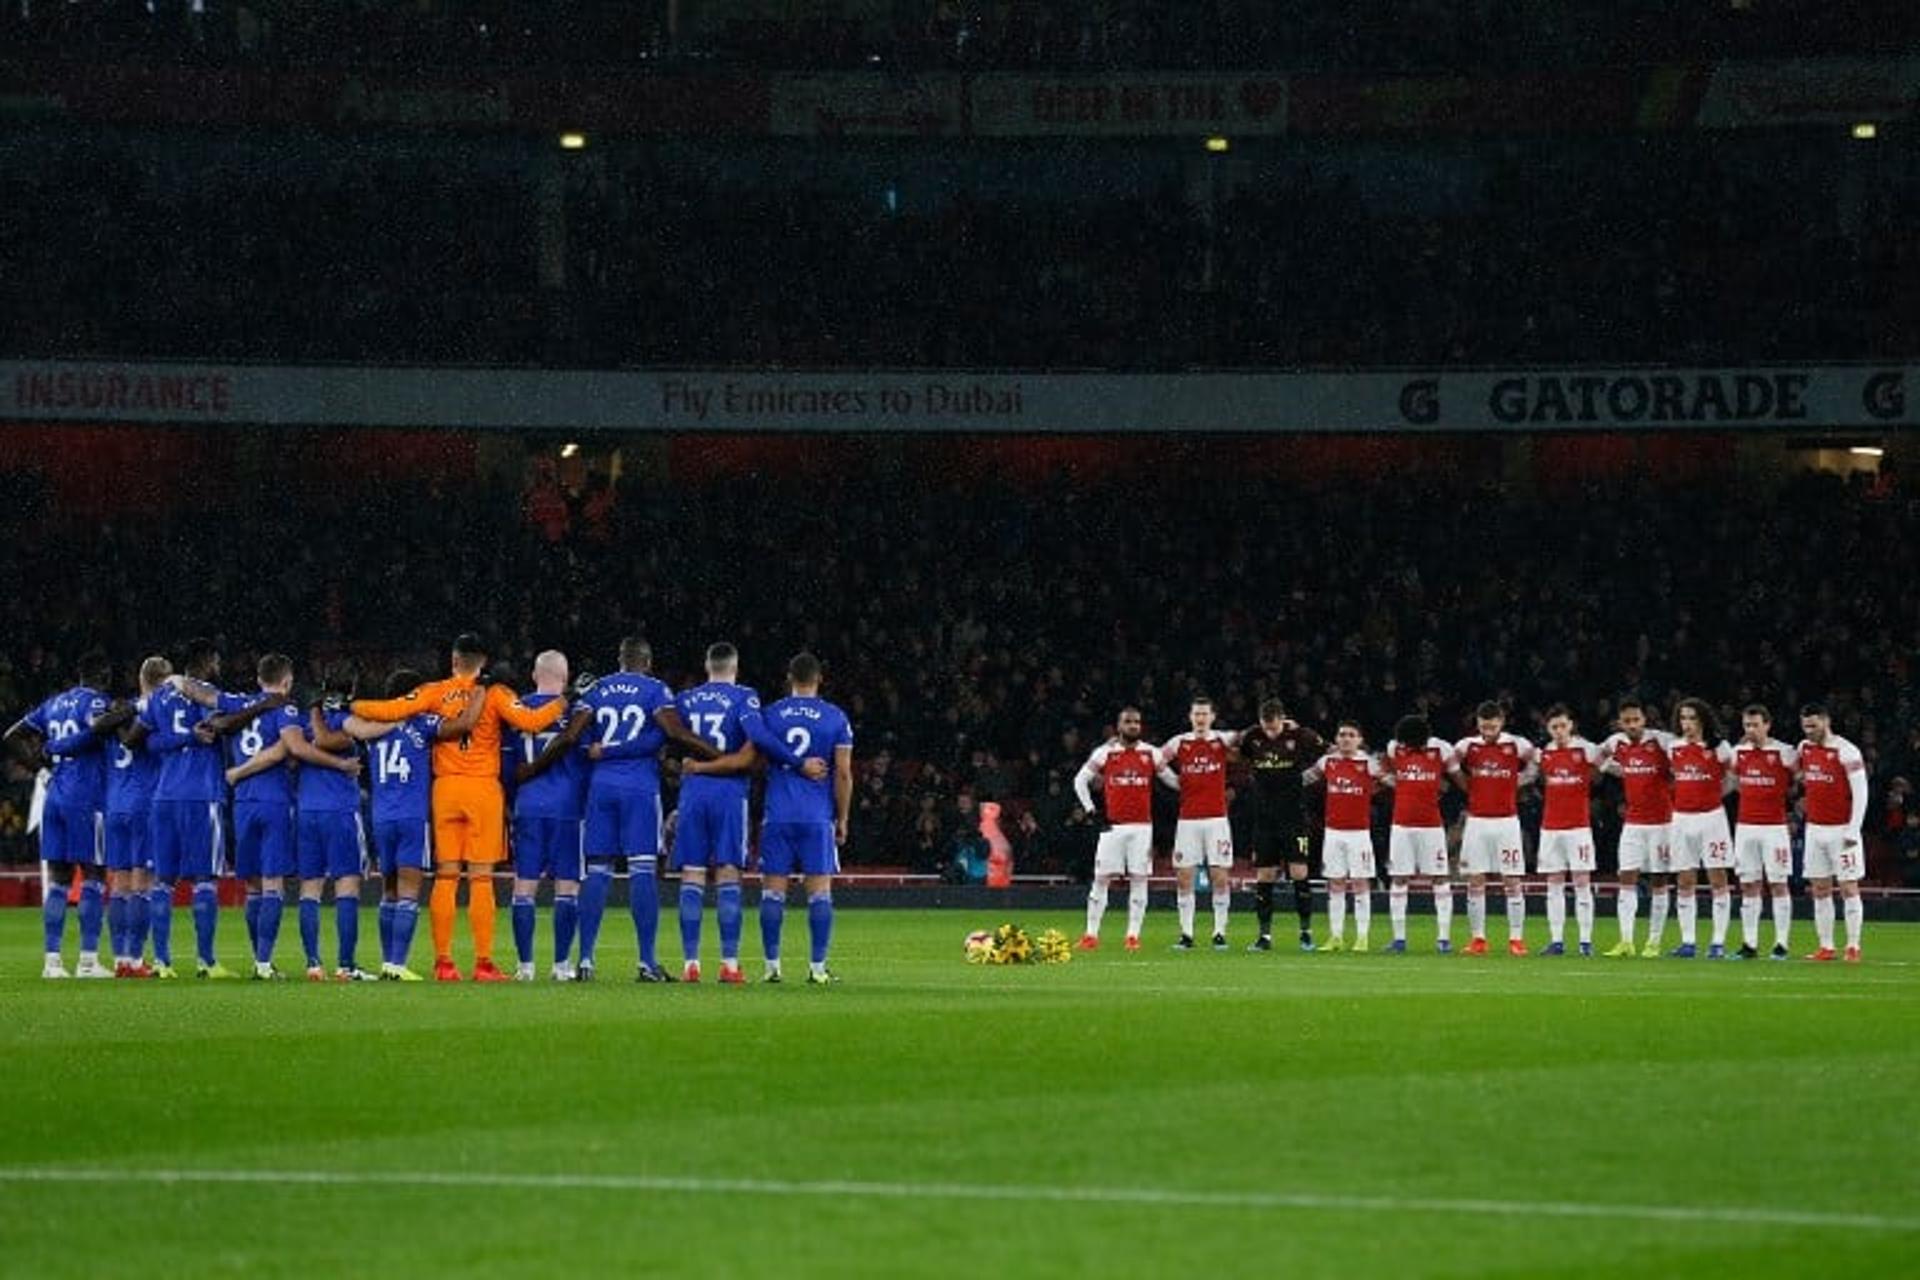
693, 901
93, 910
160, 920
253, 920
117, 924
53, 914
310, 930
593, 908
406, 915
272, 908
820, 924
386, 930
727, 907
566, 918
643, 902
206, 918
139, 913
346, 925
523, 927
773, 914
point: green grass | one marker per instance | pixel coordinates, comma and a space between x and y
1315, 1095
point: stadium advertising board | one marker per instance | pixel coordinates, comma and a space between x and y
1760, 398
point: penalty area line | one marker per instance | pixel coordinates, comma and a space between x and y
1008, 1192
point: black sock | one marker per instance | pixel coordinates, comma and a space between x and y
1263, 905
1303, 903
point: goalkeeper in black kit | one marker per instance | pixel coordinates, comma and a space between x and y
1276, 751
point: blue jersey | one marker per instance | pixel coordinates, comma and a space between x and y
718, 711
624, 726
560, 791
403, 770
189, 768
131, 773
323, 790
273, 785
811, 727
65, 723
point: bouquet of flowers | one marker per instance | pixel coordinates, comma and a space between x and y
1009, 944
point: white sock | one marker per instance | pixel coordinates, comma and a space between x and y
1476, 912
1185, 900
1336, 913
1556, 911
1443, 909
1823, 921
1136, 905
1686, 906
1362, 912
1517, 912
1222, 905
1782, 919
1397, 909
1856, 916
1626, 905
1722, 915
1750, 917
1657, 916
1096, 905
1583, 911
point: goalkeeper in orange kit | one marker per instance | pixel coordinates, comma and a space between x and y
469, 808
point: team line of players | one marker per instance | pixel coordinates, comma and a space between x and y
141, 791
1675, 784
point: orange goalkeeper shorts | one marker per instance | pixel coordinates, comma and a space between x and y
469, 820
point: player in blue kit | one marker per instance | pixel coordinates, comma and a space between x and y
402, 754
550, 791
131, 772
72, 729
332, 839
262, 785
805, 822
184, 720
711, 827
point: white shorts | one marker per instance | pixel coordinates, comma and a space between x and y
1347, 855
1417, 851
1125, 851
1645, 847
1198, 840
1492, 847
1570, 850
1829, 857
1762, 852
1701, 840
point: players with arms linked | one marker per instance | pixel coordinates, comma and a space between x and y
1195, 763
1276, 751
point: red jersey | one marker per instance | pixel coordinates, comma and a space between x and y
1201, 763
1698, 774
1418, 774
1126, 776
1566, 780
1349, 782
1493, 773
1646, 775
1830, 771
1762, 775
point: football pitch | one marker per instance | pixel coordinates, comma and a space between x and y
1207, 1114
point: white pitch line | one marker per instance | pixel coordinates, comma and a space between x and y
1691, 1214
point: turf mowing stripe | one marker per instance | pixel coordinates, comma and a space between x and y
1691, 1214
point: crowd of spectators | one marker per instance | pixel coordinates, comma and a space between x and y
983, 637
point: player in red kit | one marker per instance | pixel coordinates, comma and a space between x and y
1762, 847
1637, 755
1700, 834
1417, 765
1495, 763
1566, 829
1834, 778
1346, 850
1198, 764
1124, 768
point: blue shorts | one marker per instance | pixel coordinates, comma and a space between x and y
332, 844
711, 832
404, 843
72, 834
262, 839
130, 841
803, 846
547, 846
189, 840
622, 823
